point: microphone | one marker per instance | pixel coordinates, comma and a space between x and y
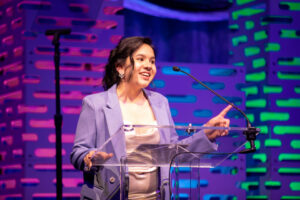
250, 133
65, 31
56, 34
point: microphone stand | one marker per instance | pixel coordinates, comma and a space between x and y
58, 117
250, 133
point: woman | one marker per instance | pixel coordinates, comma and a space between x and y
130, 69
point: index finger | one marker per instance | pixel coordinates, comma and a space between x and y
225, 110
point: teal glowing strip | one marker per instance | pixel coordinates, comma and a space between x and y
260, 35
285, 33
256, 170
256, 103
242, 2
257, 144
212, 85
174, 112
256, 77
290, 197
202, 113
263, 129
157, 84
251, 51
295, 144
169, 70
272, 47
257, 197
247, 12
182, 98
288, 103
259, 62
251, 117
223, 170
203, 183
234, 27
274, 116
236, 100
222, 72
260, 156
234, 114
219, 197
240, 64
272, 143
294, 61
239, 39
289, 157
249, 184
293, 6
184, 169
297, 90
281, 129
272, 89
249, 25
272, 184
288, 75
186, 183
183, 196
252, 90
289, 170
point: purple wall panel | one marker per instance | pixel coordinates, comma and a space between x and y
28, 153
11, 96
177, 84
27, 171
282, 72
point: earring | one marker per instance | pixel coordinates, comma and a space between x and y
121, 76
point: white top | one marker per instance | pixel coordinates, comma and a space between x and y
143, 181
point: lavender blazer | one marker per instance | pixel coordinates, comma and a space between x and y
100, 118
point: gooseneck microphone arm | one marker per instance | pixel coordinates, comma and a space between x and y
177, 69
250, 133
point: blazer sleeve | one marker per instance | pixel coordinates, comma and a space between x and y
85, 134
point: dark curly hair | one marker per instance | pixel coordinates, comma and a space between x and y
125, 48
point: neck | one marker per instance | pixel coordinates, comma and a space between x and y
129, 94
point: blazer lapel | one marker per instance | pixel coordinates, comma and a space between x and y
159, 113
114, 122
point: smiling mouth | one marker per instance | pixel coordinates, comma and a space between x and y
145, 74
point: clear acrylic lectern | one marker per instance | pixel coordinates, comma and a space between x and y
163, 149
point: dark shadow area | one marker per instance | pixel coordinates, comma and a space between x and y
181, 41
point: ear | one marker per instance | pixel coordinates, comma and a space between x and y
120, 69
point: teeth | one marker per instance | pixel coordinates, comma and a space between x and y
146, 74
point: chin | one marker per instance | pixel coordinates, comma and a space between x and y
143, 85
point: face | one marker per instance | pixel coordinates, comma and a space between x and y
144, 68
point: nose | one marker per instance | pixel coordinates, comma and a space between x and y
148, 64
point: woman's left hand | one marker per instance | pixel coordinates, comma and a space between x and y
218, 121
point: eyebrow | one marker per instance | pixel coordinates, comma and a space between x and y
144, 55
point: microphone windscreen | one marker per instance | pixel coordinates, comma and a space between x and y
176, 69
65, 31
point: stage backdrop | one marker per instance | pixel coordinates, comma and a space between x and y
264, 45
265, 42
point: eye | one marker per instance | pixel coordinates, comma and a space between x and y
153, 62
140, 59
